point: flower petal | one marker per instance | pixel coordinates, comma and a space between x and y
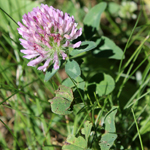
30, 56
56, 65
46, 64
63, 55
36, 61
76, 45
29, 52
66, 44
56, 61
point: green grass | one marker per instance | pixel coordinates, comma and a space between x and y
26, 119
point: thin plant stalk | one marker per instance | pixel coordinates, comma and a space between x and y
138, 130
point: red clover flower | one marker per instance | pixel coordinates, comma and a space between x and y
47, 33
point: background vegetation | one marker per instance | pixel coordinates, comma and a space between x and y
26, 119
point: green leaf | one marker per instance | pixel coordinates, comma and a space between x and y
110, 120
94, 15
77, 108
107, 141
60, 106
83, 48
68, 82
64, 92
145, 126
110, 136
61, 103
106, 84
87, 129
107, 49
79, 143
74, 143
50, 72
79, 82
113, 8
72, 69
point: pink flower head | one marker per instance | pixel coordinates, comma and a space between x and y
46, 34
